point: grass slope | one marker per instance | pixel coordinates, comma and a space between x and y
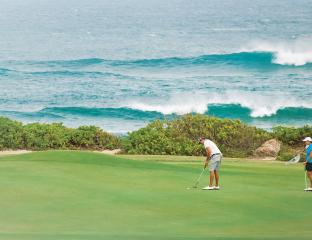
81, 195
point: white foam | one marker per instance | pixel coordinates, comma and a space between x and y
260, 104
297, 52
178, 104
27, 108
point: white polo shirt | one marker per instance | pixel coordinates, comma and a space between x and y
213, 147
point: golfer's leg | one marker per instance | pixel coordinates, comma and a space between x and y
216, 173
310, 177
211, 178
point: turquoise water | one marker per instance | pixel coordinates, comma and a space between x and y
122, 64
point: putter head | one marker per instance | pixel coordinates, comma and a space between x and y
196, 184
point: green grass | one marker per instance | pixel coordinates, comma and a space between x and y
80, 195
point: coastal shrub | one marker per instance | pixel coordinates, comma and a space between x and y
42, 136
174, 137
11, 134
179, 136
38, 136
91, 137
292, 136
288, 152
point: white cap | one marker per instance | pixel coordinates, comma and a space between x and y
307, 139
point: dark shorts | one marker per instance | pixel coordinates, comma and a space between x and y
308, 167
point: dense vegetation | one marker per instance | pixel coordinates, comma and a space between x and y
37, 136
174, 137
235, 139
179, 136
291, 138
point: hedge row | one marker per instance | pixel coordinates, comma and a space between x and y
174, 137
36, 136
179, 136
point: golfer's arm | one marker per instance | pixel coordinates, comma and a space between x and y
208, 152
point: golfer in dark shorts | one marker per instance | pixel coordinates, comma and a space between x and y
308, 161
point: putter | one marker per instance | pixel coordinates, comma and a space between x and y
198, 179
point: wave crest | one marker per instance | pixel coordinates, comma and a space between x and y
296, 53
254, 54
259, 105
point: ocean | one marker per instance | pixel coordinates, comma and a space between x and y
121, 64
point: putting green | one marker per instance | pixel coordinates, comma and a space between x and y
80, 195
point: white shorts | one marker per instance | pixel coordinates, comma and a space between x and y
215, 162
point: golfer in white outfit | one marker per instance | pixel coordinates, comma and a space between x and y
214, 157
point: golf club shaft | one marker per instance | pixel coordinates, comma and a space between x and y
196, 183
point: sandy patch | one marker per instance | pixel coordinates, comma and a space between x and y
13, 152
263, 158
110, 152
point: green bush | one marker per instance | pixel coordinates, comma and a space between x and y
38, 136
179, 136
174, 137
292, 136
91, 137
286, 153
11, 134
45, 136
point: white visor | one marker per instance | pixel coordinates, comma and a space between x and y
307, 139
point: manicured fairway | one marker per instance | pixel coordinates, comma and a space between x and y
80, 195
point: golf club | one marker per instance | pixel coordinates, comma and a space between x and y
294, 160
198, 179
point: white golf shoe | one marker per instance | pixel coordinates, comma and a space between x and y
308, 189
208, 188
216, 187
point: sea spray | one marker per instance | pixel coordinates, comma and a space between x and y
297, 52
259, 105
